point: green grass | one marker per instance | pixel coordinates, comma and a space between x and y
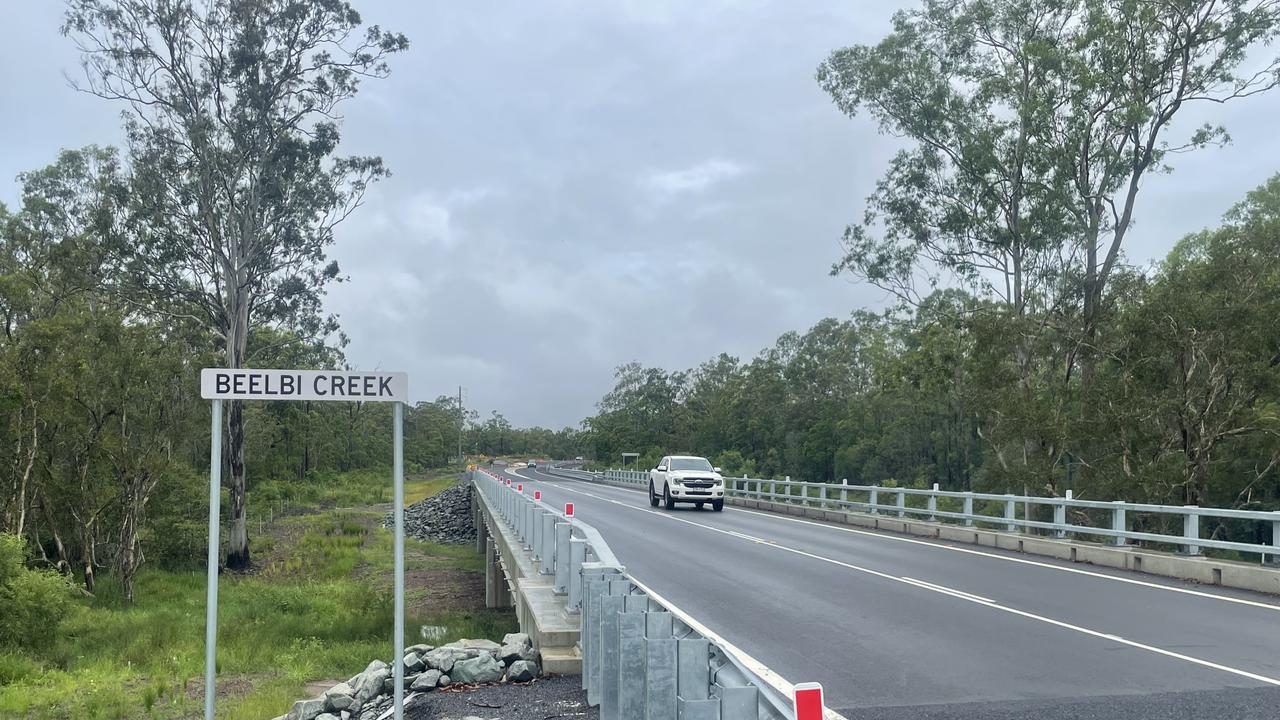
319, 607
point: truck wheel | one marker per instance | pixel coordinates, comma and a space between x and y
666, 498
653, 497
717, 505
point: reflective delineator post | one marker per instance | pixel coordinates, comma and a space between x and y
211, 603
568, 509
537, 494
808, 701
398, 642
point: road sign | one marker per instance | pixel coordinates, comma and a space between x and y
808, 701
218, 384
348, 385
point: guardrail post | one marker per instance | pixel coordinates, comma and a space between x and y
631, 660
611, 608
1191, 530
1010, 512
564, 533
1118, 522
577, 555
660, 670
693, 669
1060, 517
933, 504
968, 508
1274, 556
844, 494
902, 503
822, 496
773, 490
874, 492
548, 543
789, 489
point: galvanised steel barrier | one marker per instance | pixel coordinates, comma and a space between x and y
874, 499
642, 659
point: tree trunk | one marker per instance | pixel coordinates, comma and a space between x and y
237, 348
238, 537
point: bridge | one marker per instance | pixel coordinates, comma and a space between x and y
897, 625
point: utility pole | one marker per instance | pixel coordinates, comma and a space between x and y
461, 420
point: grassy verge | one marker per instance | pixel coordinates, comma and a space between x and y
318, 606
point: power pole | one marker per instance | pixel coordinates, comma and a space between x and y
461, 421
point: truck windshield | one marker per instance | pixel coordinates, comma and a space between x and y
690, 464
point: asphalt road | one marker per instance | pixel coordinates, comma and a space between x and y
898, 627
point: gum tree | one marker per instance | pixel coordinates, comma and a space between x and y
232, 126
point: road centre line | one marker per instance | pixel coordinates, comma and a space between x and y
1023, 561
950, 592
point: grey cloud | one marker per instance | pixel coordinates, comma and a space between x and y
581, 184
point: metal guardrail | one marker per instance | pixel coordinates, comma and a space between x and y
871, 499
641, 658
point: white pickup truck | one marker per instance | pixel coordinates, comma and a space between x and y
686, 479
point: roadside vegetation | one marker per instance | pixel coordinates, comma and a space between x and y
317, 606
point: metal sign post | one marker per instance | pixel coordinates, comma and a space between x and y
219, 384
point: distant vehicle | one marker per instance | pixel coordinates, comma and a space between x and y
532, 463
687, 479
579, 458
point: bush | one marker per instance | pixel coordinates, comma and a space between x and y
177, 534
34, 601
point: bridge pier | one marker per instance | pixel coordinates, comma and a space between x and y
496, 592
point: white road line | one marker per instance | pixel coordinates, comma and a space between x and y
957, 594
1005, 558
947, 590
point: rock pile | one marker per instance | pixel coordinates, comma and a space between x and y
444, 517
367, 695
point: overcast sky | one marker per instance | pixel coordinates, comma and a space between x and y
582, 183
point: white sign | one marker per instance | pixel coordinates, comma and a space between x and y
348, 385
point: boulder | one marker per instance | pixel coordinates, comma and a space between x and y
371, 683
326, 716
419, 649
306, 709
483, 669
425, 681
388, 685
511, 653
443, 658
517, 639
339, 697
413, 663
522, 671
445, 681
488, 646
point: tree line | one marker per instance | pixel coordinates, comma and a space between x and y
1023, 352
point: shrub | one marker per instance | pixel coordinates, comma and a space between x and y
34, 601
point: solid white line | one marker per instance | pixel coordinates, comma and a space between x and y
947, 590
1005, 558
959, 595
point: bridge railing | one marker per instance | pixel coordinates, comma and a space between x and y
1116, 522
641, 655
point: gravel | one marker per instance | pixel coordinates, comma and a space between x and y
443, 518
542, 699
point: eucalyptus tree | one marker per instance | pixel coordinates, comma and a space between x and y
231, 118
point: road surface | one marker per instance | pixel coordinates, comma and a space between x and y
898, 627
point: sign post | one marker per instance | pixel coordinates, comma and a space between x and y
218, 384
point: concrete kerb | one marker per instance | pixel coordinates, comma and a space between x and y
1207, 571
